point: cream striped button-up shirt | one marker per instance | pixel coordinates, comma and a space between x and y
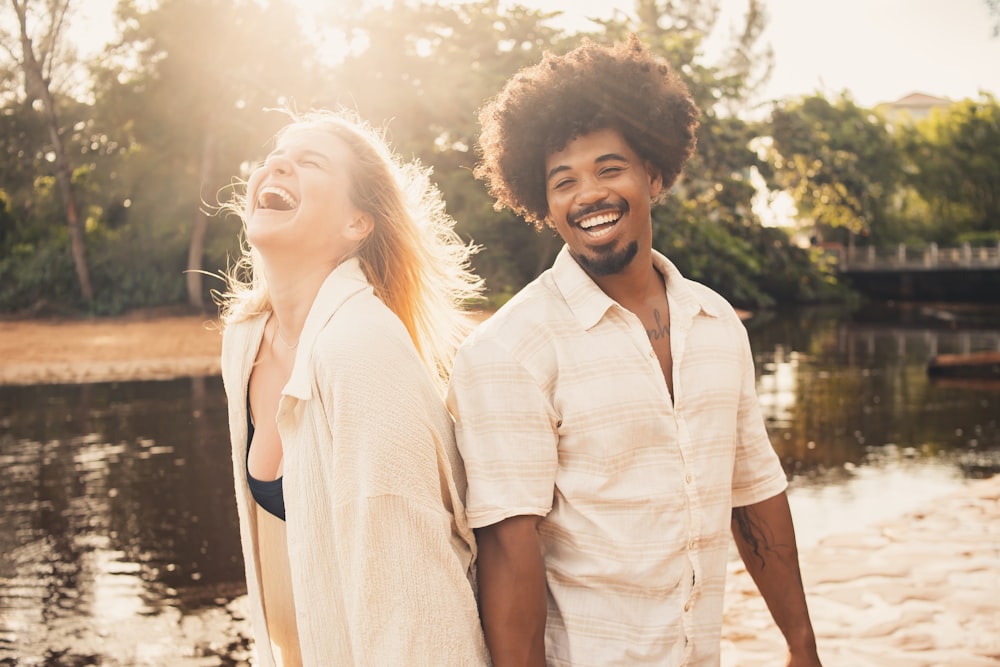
562, 411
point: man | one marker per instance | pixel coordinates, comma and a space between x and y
607, 414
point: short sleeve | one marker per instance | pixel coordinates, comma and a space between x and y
757, 473
507, 434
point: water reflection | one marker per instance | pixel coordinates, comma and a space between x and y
118, 540
861, 429
118, 519
837, 392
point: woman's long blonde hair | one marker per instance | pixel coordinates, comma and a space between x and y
416, 263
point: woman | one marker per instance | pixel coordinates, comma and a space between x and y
349, 487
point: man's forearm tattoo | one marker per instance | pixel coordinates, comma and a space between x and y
750, 532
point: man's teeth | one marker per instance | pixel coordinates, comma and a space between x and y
276, 198
602, 219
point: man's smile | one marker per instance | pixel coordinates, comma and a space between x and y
598, 223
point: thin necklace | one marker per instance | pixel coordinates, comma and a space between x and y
277, 330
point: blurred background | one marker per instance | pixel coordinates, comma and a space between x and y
125, 124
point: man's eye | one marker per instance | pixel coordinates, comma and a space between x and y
563, 183
610, 171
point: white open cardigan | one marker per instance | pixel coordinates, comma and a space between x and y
380, 553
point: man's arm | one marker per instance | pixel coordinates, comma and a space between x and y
765, 538
512, 591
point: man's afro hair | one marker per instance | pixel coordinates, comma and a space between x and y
545, 106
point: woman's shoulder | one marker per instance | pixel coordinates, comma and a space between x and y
363, 320
363, 332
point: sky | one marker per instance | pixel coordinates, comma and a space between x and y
876, 50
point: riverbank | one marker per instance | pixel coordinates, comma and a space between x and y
141, 346
147, 345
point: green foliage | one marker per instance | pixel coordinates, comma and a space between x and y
130, 269
196, 107
977, 239
38, 278
753, 266
133, 269
839, 162
27, 172
177, 110
953, 163
934, 180
705, 251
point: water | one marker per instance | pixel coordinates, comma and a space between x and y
117, 539
862, 431
119, 544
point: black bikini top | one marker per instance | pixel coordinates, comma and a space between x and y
268, 495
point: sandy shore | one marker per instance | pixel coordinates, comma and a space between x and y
919, 590
137, 347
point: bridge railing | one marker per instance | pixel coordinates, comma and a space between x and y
929, 258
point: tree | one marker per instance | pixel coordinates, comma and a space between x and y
207, 72
36, 55
423, 72
953, 162
839, 162
177, 110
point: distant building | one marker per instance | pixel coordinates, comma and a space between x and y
912, 107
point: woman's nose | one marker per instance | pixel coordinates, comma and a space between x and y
277, 164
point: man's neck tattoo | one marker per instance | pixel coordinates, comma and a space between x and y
661, 330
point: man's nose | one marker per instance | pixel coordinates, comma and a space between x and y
592, 190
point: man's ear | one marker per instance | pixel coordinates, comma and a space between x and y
655, 180
360, 227
549, 222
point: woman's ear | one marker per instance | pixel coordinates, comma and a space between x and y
360, 227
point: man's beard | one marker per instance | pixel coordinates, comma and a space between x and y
607, 261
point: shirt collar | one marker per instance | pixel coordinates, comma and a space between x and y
681, 292
589, 303
343, 282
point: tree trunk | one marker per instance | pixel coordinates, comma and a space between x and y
196, 249
37, 88
77, 233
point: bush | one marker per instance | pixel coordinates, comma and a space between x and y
39, 278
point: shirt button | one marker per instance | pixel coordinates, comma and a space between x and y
688, 478
652, 354
692, 544
687, 606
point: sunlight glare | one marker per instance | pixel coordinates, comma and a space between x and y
333, 45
